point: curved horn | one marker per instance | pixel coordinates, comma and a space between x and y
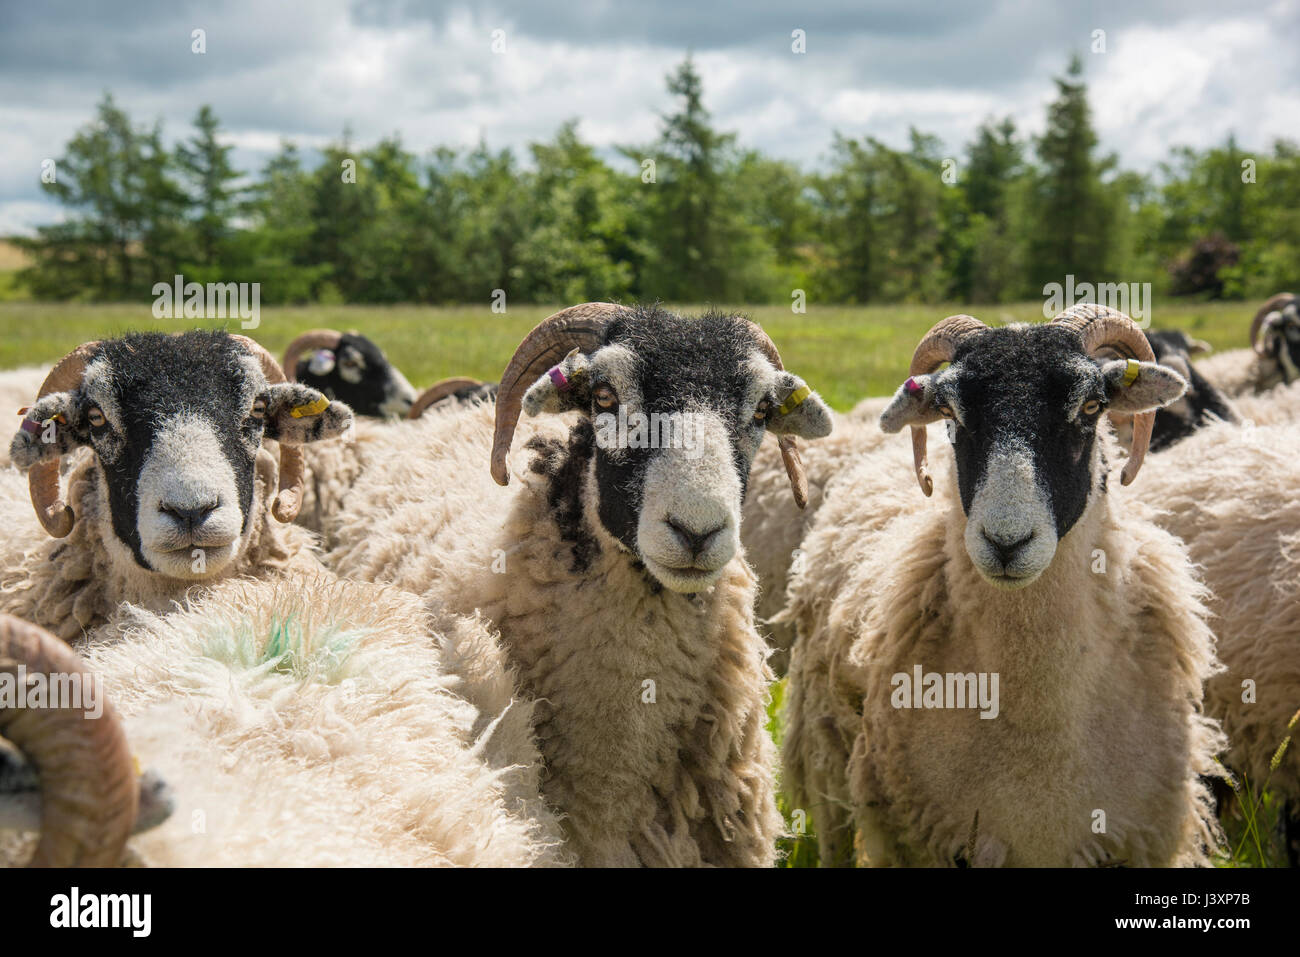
43, 477
289, 498
550, 341
89, 792
313, 339
1101, 327
437, 392
794, 469
1275, 304
937, 347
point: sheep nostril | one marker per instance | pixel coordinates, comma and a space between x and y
695, 542
1004, 547
188, 518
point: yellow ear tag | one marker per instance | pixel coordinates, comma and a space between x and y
312, 408
1131, 373
793, 400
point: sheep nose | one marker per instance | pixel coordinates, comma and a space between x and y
1004, 546
695, 542
186, 517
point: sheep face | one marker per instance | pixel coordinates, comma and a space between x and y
676, 409
359, 374
1022, 406
176, 423
1279, 339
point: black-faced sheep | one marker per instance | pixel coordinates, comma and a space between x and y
611, 567
1013, 678
349, 367
1273, 356
168, 482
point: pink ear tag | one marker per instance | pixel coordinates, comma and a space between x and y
562, 383
912, 386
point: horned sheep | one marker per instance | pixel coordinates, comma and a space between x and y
612, 568
1274, 354
1079, 627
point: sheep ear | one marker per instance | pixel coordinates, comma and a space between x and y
297, 414
50, 429
913, 404
560, 388
800, 411
1140, 386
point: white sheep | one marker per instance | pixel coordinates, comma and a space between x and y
1014, 676
1230, 495
329, 724
611, 569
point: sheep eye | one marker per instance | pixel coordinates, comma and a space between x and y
96, 417
946, 412
605, 397
259, 409
760, 413
1091, 407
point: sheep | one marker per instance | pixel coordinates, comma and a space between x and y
611, 569
168, 484
1200, 405
332, 469
1067, 638
1273, 356
351, 368
295, 727
1229, 494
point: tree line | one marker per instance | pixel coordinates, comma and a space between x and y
691, 217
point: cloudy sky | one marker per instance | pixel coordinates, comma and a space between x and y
1173, 71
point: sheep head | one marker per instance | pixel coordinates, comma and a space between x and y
351, 368
677, 409
176, 422
1022, 406
1275, 333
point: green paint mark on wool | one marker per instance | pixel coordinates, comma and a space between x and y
288, 646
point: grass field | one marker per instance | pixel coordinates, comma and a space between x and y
846, 353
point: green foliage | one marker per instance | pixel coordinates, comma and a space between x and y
716, 222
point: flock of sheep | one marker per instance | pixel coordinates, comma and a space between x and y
318, 619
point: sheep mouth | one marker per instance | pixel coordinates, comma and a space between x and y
684, 578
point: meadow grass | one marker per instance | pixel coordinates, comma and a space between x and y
845, 352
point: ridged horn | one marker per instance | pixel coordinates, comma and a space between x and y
580, 327
1102, 327
789, 447
43, 477
1275, 304
938, 346
289, 497
312, 339
89, 791
437, 392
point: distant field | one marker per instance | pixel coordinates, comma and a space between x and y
844, 352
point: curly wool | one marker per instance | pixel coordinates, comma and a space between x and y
1229, 494
773, 527
314, 722
650, 704
1100, 688
74, 585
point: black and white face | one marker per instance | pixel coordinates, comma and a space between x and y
176, 423
1280, 338
679, 408
1022, 407
359, 374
